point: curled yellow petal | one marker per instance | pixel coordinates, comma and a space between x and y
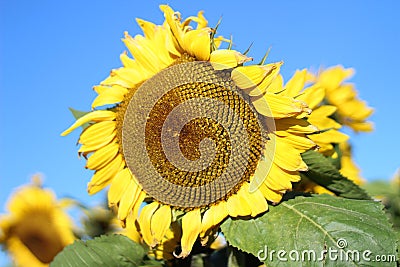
128, 199
271, 195
197, 43
330, 136
147, 27
225, 59
313, 96
278, 106
191, 227
287, 157
256, 200
296, 83
102, 157
173, 23
213, 216
160, 223
332, 77
118, 186
144, 221
97, 132
103, 177
248, 77
96, 116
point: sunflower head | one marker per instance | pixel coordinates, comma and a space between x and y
192, 132
36, 228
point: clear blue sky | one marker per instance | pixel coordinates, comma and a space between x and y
53, 52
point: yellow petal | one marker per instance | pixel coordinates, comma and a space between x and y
111, 96
277, 106
313, 96
129, 198
255, 200
213, 216
118, 186
267, 81
101, 88
97, 132
160, 223
259, 204
147, 27
276, 85
131, 229
144, 221
300, 142
191, 227
248, 77
324, 123
102, 157
280, 179
96, 116
115, 79
87, 148
127, 62
296, 83
332, 77
226, 59
287, 157
237, 205
324, 111
102, 177
292, 125
364, 126
173, 23
138, 204
271, 195
200, 20
140, 48
197, 43
342, 94
356, 110
330, 136
261, 172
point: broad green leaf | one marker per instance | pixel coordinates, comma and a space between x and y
324, 173
107, 250
77, 114
301, 229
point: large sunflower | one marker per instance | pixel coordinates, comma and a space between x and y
36, 228
189, 130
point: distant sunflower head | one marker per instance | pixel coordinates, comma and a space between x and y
351, 111
327, 96
190, 130
36, 228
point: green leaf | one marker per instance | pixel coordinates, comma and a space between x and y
324, 173
303, 226
77, 114
107, 250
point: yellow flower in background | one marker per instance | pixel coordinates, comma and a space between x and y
351, 111
300, 88
348, 167
305, 87
188, 129
36, 228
